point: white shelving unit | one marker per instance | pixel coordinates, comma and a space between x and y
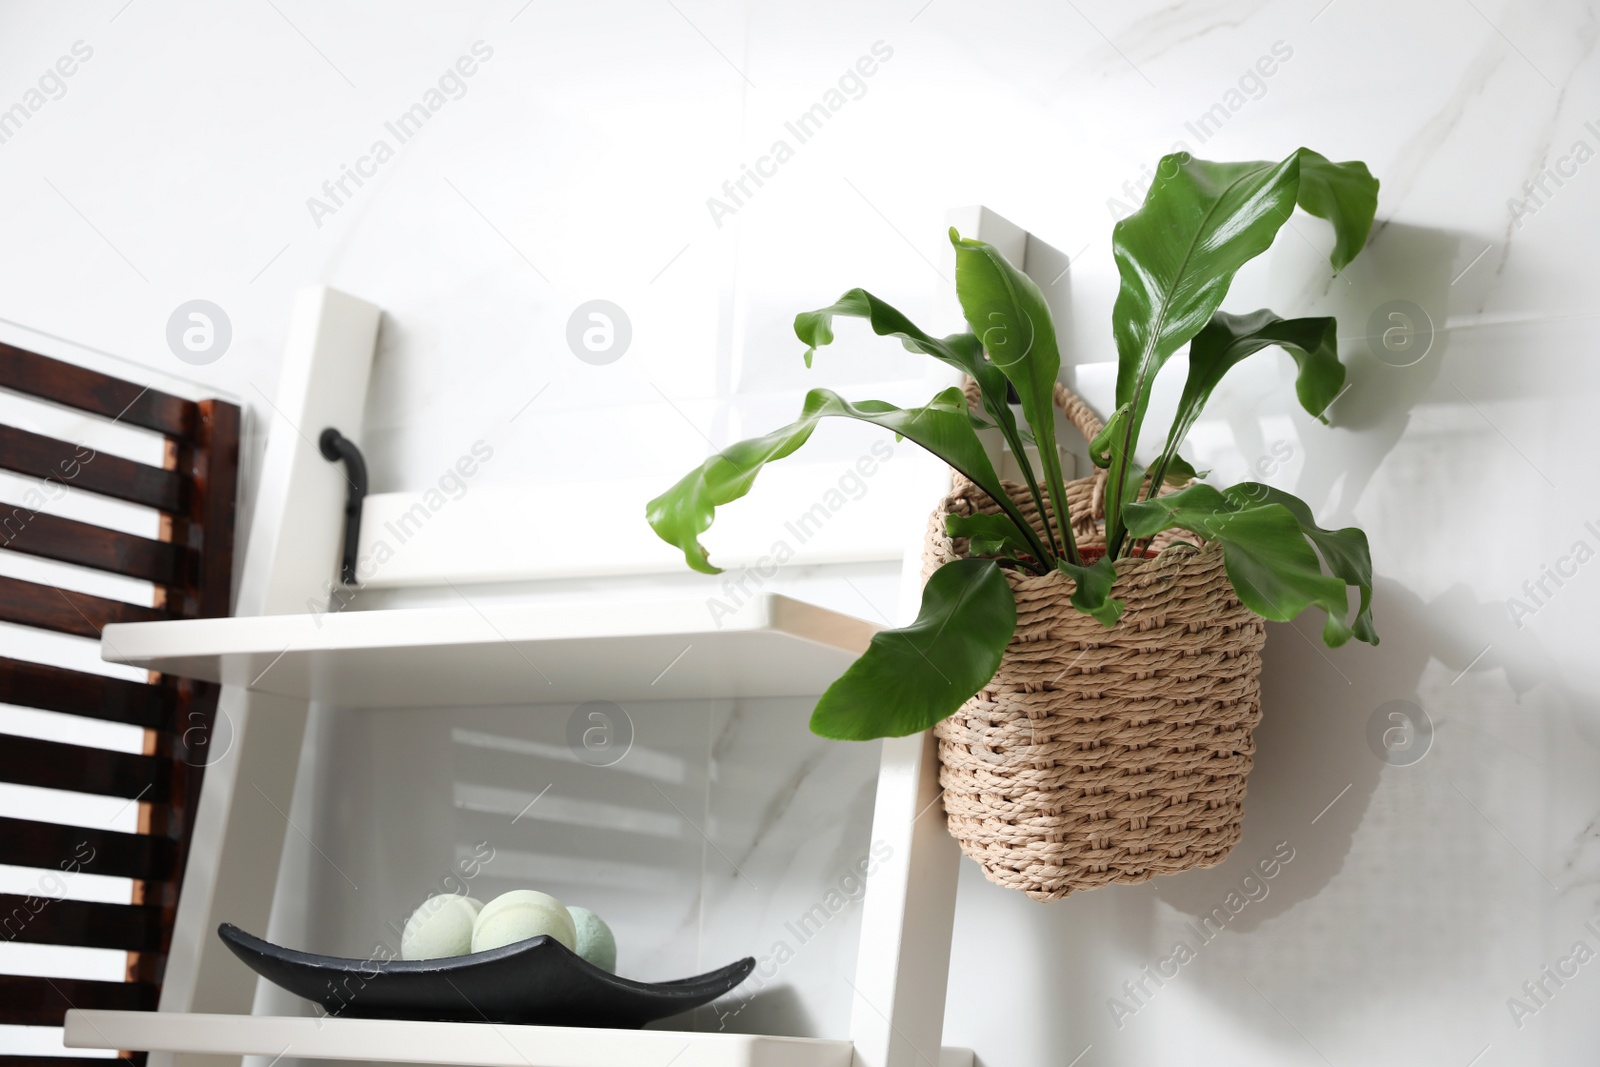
433, 657
273, 663
660, 649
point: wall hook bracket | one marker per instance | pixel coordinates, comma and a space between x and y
335, 447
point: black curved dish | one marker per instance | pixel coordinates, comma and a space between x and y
536, 982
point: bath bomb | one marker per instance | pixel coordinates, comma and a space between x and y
442, 926
595, 941
519, 915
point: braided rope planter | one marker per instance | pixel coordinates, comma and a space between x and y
1099, 756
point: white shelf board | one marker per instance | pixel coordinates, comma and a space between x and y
474, 1044
491, 654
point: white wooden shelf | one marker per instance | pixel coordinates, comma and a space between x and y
487, 655
272, 665
475, 1044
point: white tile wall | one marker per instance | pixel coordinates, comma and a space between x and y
178, 162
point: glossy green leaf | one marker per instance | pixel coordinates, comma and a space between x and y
1273, 568
909, 679
1006, 310
681, 514
1344, 552
1092, 589
1346, 194
1107, 440
990, 535
1181, 472
1178, 254
1228, 339
961, 350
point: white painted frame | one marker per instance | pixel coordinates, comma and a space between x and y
903, 963
290, 554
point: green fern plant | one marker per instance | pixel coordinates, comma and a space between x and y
1177, 256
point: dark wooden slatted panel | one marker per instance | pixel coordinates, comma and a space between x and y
29, 1001
100, 394
93, 696
71, 541
54, 765
213, 464
81, 467
46, 607
71, 1061
90, 924
191, 563
26, 843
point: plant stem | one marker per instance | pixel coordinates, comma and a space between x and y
1064, 520
1158, 474
1023, 527
1050, 460
1121, 460
1015, 441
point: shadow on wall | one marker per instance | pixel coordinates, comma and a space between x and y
1391, 304
1392, 317
1314, 744
1315, 710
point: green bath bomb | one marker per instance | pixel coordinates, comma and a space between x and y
441, 926
596, 944
519, 915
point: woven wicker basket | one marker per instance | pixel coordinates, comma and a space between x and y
1101, 756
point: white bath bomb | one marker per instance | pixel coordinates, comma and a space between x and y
441, 926
596, 943
519, 915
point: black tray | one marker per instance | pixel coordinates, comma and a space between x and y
538, 982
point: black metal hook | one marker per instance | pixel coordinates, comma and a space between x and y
335, 446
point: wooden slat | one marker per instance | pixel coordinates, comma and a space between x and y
54, 765
55, 846
71, 541
71, 1061
99, 394
215, 471
196, 743
93, 696
88, 924
26, 1000
80, 467
46, 607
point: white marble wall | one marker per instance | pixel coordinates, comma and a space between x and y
577, 165
705, 833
